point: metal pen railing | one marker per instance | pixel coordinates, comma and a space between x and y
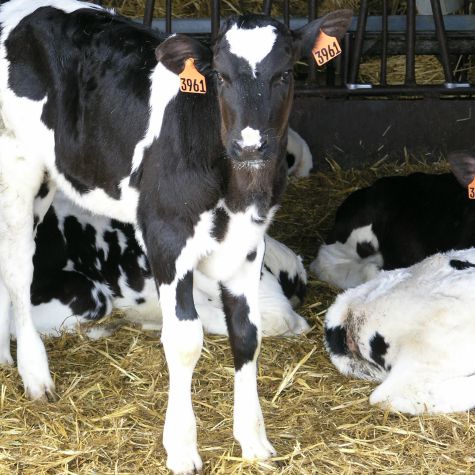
341, 77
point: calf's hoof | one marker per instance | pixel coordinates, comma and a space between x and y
5, 357
187, 462
33, 368
257, 449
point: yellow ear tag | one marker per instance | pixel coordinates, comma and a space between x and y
471, 190
325, 49
191, 80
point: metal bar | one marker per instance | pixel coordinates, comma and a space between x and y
465, 59
312, 14
411, 43
358, 47
286, 13
384, 45
168, 17
442, 39
215, 17
399, 90
460, 25
346, 57
267, 7
148, 13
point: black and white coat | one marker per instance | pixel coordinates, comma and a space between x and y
396, 222
91, 105
412, 330
87, 265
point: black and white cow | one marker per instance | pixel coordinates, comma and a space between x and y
86, 265
395, 222
412, 330
91, 104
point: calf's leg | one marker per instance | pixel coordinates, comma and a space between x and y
182, 338
5, 355
20, 180
240, 302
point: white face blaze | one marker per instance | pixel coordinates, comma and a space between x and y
251, 138
253, 45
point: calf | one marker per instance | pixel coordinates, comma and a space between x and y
395, 223
91, 104
412, 330
299, 157
86, 265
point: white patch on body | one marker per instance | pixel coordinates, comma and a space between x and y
298, 147
251, 138
53, 318
277, 316
424, 313
165, 86
340, 264
253, 45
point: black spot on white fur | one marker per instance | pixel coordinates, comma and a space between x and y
460, 265
220, 223
185, 308
336, 340
292, 286
379, 348
365, 249
251, 256
242, 332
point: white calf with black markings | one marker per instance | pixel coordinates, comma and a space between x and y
120, 279
113, 131
412, 330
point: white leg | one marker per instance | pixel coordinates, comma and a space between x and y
182, 338
240, 302
418, 393
5, 356
20, 179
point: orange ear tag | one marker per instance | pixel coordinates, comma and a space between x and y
471, 190
325, 49
191, 80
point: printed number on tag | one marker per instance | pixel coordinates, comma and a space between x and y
326, 48
471, 190
191, 80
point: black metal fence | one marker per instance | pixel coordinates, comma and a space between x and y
331, 107
451, 38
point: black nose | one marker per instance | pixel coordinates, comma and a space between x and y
249, 153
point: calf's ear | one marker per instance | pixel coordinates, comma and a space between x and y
462, 164
333, 24
176, 49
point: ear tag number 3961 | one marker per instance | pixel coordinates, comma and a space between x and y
191, 80
325, 49
471, 190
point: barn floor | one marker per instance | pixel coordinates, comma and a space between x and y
113, 391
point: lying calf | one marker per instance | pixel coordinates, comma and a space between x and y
87, 265
411, 329
395, 222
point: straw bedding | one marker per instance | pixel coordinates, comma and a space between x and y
113, 391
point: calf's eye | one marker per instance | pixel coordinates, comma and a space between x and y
285, 77
219, 78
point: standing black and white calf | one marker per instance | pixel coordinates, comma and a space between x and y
92, 105
395, 222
